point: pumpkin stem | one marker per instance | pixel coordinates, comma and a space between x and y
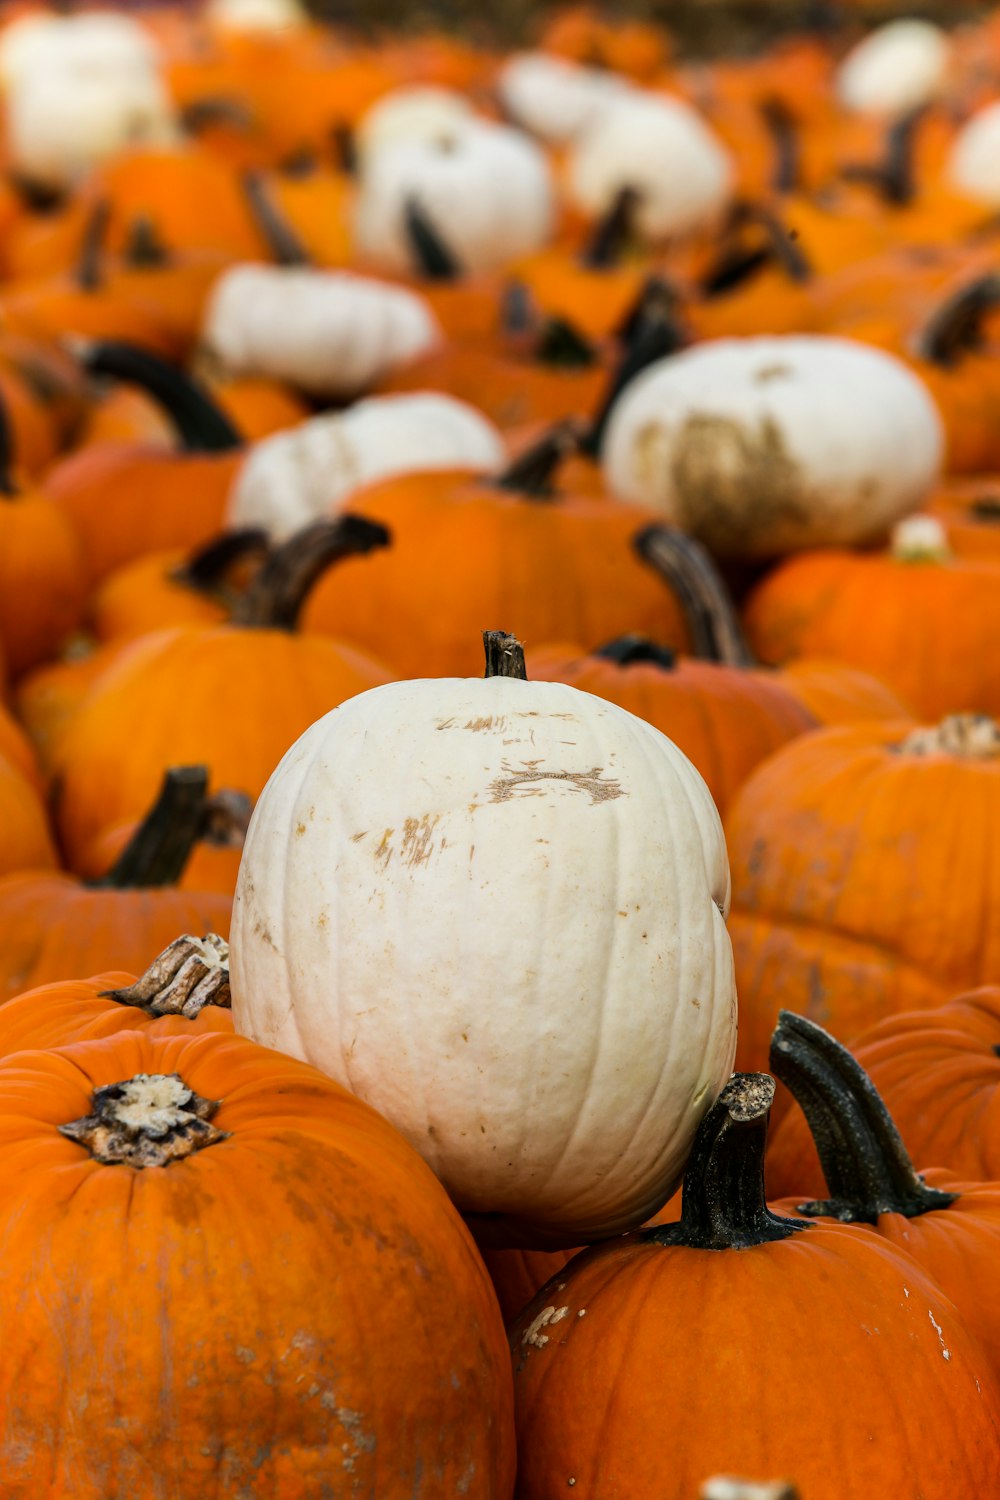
687, 568
205, 570
87, 273
149, 1120
188, 975
345, 150
201, 425
9, 489
562, 345
864, 1161
784, 129
894, 175
158, 851
633, 649
275, 598
957, 325
519, 317
652, 331
533, 472
737, 261
723, 1206
434, 257
965, 736
282, 241
143, 247
504, 655
214, 109
611, 234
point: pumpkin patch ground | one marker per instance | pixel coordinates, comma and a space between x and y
498, 562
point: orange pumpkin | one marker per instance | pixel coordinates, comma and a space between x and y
26, 843
374, 1359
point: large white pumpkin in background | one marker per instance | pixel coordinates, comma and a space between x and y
307, 472
896, 68
329, 333
495, 909
554, 98
94, 41
256, 15
486, 188
973, 162
664, 150
420, 112
761, 446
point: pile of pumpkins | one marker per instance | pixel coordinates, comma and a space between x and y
498, 559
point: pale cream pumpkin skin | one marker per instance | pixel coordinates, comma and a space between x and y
760, 446
895, 68
328, 333
495, 910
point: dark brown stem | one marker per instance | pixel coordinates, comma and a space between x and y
894, 176
9, 489
150, 1120
637, 650
519, 315
434, 258
723, 1206
276, 596
215, 109
533, 473
87, 273
784, 130
864, 1161
687, 568
562, 345
205, 570
282, 241
201, 425
345, 151
158, 851
612, 232
653, 332
144, 250
956, 326
504, 655
737, 262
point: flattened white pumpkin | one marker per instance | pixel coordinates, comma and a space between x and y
495, 910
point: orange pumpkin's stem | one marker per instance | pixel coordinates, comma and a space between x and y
275, 598
158, 851
688, 569
723, 1206
146, 1121
434, 257
188, 975
504, 655
651, 332
283, 243
87, 273
894, 175
205, 570
612, 232
633, 649
201, 426
532, 474
784, 129
956, 326
864, 1161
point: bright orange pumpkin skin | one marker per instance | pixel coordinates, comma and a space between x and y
322, 1321
53, 928
76, 1010
26, 843
42, 583
865, 882
938, 1071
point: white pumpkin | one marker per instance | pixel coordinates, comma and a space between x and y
761, 446
309, 471
256, 15
102, 41
495, 909
423, 112
329, 333
896, 68
663, 149
973, 163
554, 98
61, 121
486, 188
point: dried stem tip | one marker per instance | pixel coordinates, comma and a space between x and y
504, 655
188, 975
150, 1120
966, 736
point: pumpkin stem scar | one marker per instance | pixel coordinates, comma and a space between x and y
864, 1161
149, 1120
188, 975
723, 1206
686, 566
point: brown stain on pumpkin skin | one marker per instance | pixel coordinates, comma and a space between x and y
735, 483
532, 780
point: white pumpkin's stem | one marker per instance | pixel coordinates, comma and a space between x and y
867, 1168
504, 655
965, 736
149, 1120
282, 241
957, 325
723, 1206
201, 425
687, 568
188, 975
919, 539
276, 596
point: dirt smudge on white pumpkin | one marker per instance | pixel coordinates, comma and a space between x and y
384, 852
735, 482
529, 782
418, 839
